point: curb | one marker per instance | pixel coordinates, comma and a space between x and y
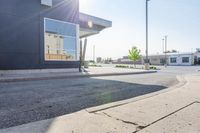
72, 76
181, 79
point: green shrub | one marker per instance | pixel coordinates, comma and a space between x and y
122, 66
152, 68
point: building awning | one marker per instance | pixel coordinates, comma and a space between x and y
90, 25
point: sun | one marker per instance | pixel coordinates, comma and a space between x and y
84, 4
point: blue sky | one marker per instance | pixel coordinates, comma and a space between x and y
179, 19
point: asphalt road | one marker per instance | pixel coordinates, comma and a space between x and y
24, 102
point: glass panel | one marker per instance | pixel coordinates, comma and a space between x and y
185, 59
173, 60
162, 61
47, 2
62, 28
198, 60
60, 41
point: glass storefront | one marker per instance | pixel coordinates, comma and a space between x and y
60, 40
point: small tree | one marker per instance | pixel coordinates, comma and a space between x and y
134, 55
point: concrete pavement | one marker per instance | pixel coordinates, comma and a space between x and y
174, 111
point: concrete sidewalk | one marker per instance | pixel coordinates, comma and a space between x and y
25, 75
173, 111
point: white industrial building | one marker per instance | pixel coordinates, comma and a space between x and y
183, 59
172, 59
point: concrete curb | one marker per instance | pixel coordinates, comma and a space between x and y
182, 82
71, 76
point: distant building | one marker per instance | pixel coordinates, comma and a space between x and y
172, 59
99, 60
157, 59
108, 61
183, 59
126, 60
198, 50
197, 56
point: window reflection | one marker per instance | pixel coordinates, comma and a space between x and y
60, 41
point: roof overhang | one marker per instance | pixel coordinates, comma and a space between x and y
90, 25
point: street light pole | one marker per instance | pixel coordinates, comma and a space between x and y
166, 37
94, 53
147, 37
166, 50
163, 45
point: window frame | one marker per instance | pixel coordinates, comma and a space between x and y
76, 37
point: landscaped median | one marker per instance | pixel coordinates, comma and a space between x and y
173, 111
20, 75
131, 67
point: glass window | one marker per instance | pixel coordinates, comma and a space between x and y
60, 40
198, 60
162, 61
47, 2
173, 60
185, 59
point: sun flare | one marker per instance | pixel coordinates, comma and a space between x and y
84, 4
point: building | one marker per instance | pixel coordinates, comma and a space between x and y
126, 60
197, 57
99, 60
158, 59
182, 59
40, 34
172, 59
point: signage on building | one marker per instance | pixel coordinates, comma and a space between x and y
47, 2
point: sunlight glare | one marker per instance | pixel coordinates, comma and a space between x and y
84, 4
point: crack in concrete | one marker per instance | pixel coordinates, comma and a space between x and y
126, 122
138, 127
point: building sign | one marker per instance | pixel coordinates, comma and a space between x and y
46, 2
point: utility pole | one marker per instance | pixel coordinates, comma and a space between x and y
147, 37
94, 53
166, 37
81, 56
163, 45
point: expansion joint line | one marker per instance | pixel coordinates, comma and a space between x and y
143, 127
139, 127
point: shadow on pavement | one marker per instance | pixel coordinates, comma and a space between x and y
24, 102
